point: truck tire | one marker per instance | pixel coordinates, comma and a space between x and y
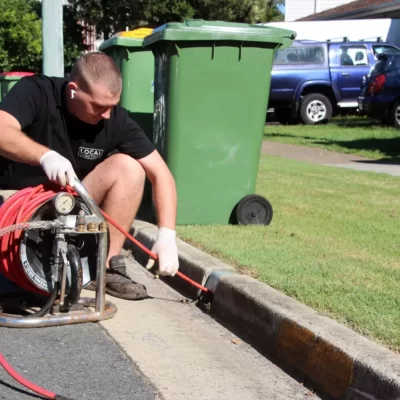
315, 108
395, 115
284, 117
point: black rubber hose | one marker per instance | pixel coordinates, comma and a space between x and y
76, 283
46, 308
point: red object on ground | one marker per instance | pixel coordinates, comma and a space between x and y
20, 379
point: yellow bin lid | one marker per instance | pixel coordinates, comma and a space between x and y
132, 38
139, 33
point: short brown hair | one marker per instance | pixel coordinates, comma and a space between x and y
97, 68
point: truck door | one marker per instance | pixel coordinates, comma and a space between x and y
351, 65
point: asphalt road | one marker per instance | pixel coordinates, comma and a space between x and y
79, 361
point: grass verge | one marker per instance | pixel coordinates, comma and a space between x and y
353, 135
332, 244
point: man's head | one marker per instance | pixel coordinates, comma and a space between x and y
94, 87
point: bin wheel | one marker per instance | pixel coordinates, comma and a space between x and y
254, 210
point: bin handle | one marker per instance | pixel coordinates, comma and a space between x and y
194, 22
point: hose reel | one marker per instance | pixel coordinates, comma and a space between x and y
37, 251
60, 250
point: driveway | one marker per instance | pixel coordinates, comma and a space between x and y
329, 158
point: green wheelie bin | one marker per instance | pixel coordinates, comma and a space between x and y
137, 69
8, 80
212, 83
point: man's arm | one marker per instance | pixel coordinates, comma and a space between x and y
164, 189
18, 111
15, 145
165, 199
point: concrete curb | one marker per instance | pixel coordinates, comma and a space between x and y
194, 263
338, 362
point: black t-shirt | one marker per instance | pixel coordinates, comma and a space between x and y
38, 103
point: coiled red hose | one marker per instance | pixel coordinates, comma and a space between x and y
18, 209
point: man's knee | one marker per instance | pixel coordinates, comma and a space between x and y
126, 167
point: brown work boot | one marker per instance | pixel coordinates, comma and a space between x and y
118, 283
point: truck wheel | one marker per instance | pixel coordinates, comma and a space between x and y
283, 116
395, 117
315, 108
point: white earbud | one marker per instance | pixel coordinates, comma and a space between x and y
73, 93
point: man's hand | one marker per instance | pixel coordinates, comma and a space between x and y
57, 168
167, 252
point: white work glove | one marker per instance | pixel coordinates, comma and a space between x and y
167, 252
57, 168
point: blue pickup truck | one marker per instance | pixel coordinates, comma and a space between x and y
312, 81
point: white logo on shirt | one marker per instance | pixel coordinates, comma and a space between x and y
90, 154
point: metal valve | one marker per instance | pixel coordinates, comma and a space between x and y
81, 221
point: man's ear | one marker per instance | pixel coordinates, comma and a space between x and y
72, 87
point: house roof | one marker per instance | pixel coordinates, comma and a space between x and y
357, 5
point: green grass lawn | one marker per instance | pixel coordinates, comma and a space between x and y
347, 135
333, 244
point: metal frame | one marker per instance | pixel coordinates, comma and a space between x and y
103, 309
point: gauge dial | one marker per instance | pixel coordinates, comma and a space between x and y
64, 203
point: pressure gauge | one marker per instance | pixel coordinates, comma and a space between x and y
64, 203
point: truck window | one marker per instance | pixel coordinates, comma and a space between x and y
384, 49
300, 55
353, 55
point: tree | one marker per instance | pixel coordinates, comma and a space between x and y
154, 13
73, 36
274, 12
20, 36
111, 16
249, 11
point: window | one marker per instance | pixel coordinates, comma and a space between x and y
300, 55
353, 55
384, 49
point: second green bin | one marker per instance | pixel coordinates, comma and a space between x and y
212, 83
137, 69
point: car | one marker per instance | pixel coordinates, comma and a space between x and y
311, 81
380, 91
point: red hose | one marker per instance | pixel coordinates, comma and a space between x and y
20, 379
17, 209
150, 253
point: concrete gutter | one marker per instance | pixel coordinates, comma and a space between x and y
333, 359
